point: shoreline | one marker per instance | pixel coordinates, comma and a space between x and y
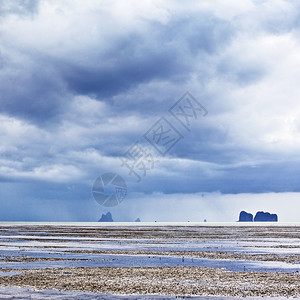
154, 224
108, 259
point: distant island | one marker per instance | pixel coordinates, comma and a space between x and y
106, 218
259, 217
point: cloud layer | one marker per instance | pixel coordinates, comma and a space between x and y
81, 82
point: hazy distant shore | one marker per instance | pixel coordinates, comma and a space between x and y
153, 224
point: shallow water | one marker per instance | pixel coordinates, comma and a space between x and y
121, 260
58, 241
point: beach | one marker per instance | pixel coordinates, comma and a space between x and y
153, 260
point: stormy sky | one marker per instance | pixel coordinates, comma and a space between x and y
82, 82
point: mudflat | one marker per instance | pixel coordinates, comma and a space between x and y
228, 261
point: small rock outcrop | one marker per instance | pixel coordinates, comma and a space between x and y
265, 217
137, 220
260, 216
245, 217
106, 218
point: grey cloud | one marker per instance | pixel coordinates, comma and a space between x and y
136, 59
245, 179
130, 77
19, 7
124, 73
40, 89
32, 90
208, 34
239, 72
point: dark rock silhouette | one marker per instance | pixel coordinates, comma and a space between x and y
245, 217
259, 217
137, 220
106, 218
265, 217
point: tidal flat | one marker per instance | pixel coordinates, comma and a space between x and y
150, 260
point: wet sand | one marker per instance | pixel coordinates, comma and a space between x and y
180, 281
25, 244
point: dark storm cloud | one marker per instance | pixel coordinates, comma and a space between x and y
123, 71
166, 53
30, 86
262, 178
34, 94
38, 86
80, 82
38, 201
